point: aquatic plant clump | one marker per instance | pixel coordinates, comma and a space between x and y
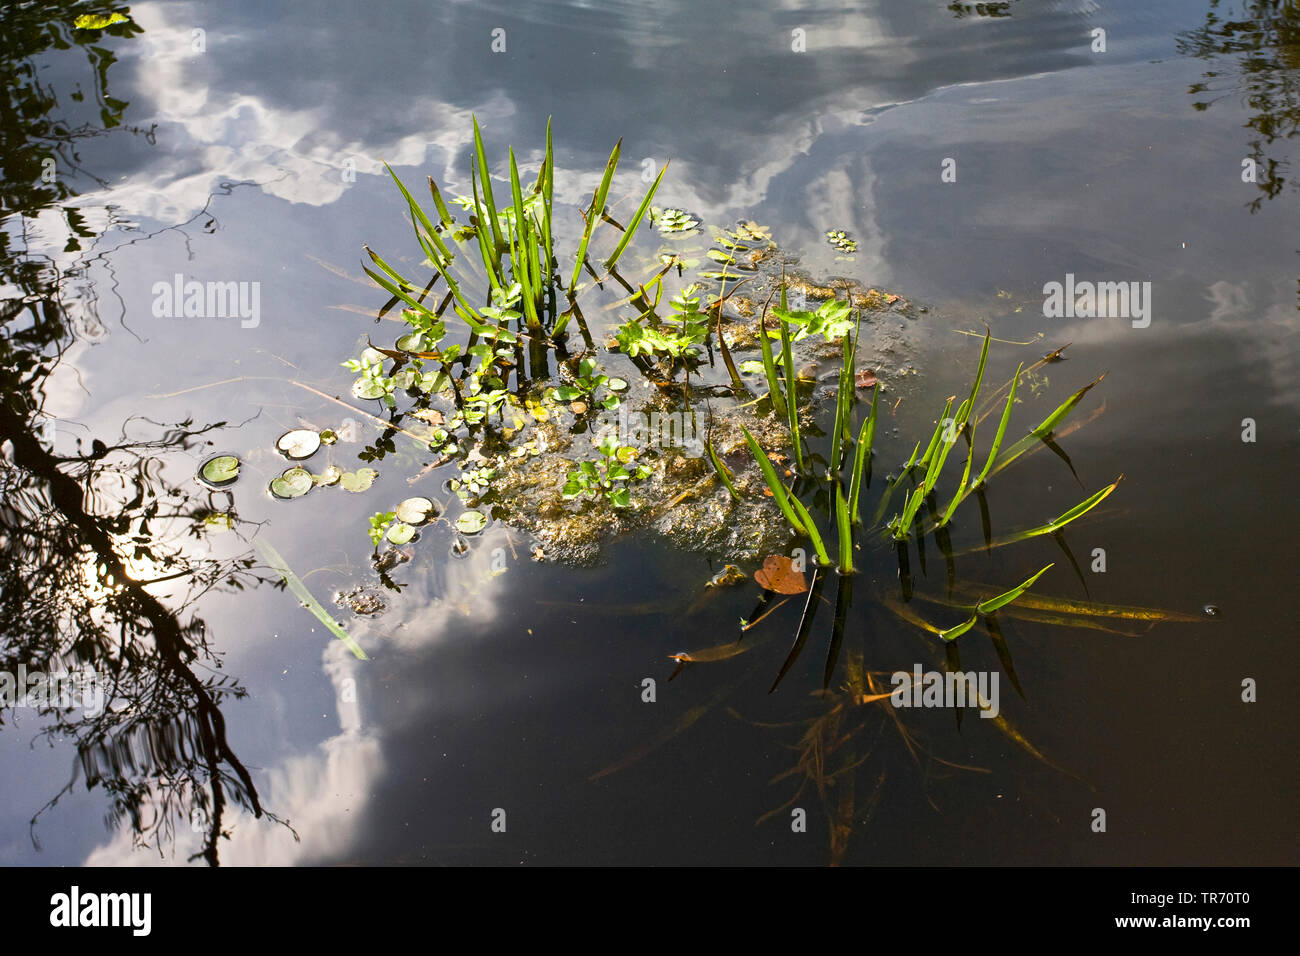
504, 401
842, 241
526, 432
704, 391
517, 236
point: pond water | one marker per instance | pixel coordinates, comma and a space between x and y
515, 710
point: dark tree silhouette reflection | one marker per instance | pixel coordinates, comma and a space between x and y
98, 564
1260, 40
71, 597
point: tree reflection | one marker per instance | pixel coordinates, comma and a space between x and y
87, 540
1263, 39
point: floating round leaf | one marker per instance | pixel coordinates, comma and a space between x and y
471, 522
294, 483
400, 533
328, 437
417, 510
329, 476
367, 388
298, 444
221, 470
616, 384
358, 480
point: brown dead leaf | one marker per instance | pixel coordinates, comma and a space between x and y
430, 415
866, 378
778, 574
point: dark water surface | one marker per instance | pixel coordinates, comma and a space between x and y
512, 691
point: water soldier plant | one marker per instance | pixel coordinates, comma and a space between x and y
917, 483
511, 255
521, 235
853, 718
672, 348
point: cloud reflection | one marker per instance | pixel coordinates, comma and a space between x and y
325, 793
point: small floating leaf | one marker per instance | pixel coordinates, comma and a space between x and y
367, 388
221, 470
430, 415
298, 444
400, 533
778, 574
329, 476
616, 384
673, 220
471, 522
841, 240
294, 483
328, 437
359, 480
416, 510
